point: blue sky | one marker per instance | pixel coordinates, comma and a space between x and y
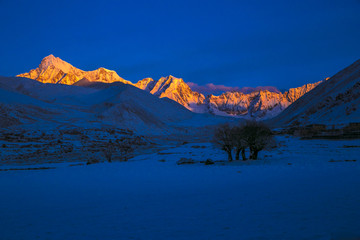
234, 43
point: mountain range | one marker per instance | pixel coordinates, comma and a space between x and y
259, 104
62, 96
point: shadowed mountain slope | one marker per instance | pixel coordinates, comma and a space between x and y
333, 102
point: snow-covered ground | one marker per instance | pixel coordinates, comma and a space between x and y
304, 189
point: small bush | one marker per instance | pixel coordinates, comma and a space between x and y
185, 161
92, 161
209, 162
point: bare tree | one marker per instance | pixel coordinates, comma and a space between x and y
253, 135
109, 150
257, 136
240, 143
224, 139
125, 149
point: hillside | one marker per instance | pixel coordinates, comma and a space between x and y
333, 102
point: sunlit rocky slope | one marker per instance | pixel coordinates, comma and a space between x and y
260, 104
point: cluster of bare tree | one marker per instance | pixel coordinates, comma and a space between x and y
253, 135
122, 147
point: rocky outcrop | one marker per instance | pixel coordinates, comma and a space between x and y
146, 84
173, 88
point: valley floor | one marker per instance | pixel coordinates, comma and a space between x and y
304, 189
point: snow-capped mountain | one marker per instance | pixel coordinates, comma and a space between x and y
259, 104
333, 102
54, 70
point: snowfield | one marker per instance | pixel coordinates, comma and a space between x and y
303, 189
